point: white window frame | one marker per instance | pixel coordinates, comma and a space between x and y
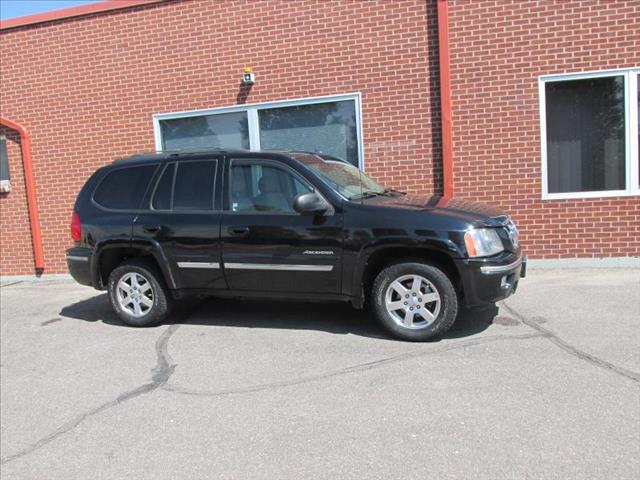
252, 117
632, 185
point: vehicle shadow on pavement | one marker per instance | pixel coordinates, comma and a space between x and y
287, 315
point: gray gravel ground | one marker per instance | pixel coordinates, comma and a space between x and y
546, 385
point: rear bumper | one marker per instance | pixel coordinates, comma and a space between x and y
79, 264
486, 281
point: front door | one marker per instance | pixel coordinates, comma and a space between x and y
266, 245
183, 223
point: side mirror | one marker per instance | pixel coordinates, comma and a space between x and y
310, 203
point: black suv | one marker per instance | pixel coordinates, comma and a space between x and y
152, 229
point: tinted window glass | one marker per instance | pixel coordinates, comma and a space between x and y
124, 188
193, 188
264, 188
162, 195
585, 135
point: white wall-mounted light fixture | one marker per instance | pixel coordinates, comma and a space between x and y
248, 77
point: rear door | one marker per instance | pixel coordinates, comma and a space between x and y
182, 222
267, 246
115, 203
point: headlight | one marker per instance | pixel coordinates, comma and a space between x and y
514, 236
482, 242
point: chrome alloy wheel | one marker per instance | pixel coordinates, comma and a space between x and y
412, 301
134, 294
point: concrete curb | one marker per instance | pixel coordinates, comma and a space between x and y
571, 263
6, 279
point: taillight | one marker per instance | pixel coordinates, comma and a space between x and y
76, 227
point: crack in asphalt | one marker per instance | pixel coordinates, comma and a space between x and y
570, 349
351, 369
161, 373
49, 322
164, 368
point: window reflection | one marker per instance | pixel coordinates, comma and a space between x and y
224, 130
328, 128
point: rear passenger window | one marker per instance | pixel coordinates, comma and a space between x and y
162, 196
124, 188
193, 189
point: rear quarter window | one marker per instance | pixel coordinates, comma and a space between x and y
162, 194
124, 188
193, 185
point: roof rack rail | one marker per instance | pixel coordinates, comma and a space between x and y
178, 151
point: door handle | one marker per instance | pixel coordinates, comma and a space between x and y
238, 231
152, 228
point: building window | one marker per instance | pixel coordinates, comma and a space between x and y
5, 181
329, 125
224, 130
589, 131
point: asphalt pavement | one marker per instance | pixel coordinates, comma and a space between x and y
544, 385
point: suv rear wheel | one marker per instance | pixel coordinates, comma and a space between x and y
414, 301
138, 294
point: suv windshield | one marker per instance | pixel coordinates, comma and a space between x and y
346, 179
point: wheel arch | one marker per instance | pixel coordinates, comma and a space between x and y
383, 257
110, 255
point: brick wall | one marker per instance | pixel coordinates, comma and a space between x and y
498, 50
86, 88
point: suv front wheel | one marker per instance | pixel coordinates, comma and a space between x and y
137, 293
414, 301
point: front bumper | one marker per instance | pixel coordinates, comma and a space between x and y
79, 264
488, 280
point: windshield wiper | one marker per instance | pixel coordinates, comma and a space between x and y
373, 193
366, 194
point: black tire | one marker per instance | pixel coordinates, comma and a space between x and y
161, 300
440, 282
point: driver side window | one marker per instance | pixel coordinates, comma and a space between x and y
263, 187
